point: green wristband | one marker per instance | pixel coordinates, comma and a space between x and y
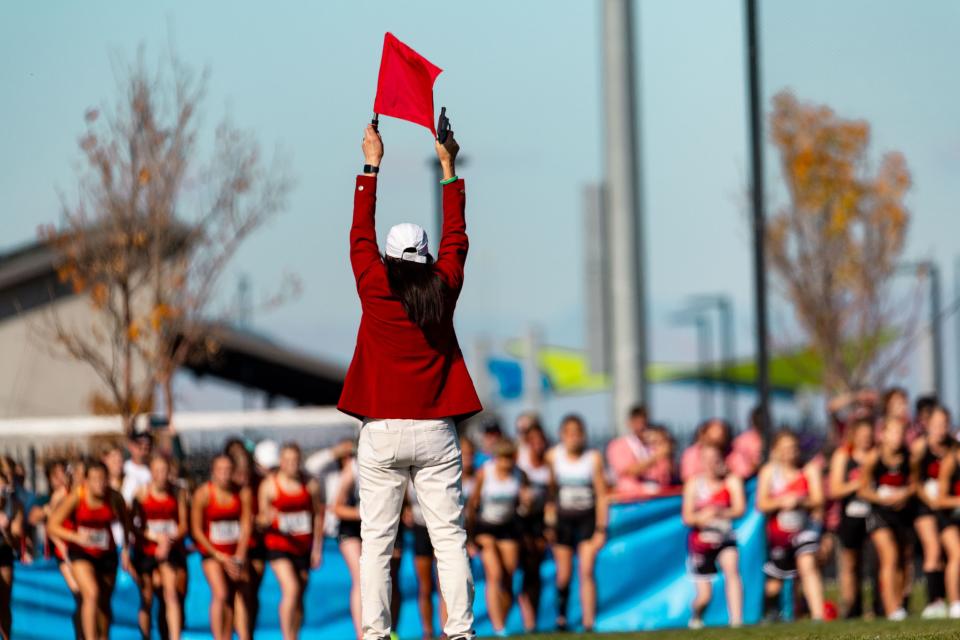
449, 180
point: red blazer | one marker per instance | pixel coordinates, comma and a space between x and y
398, 371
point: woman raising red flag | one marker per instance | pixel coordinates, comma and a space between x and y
409, 384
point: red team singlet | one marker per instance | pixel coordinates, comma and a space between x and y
221, 522
704, 544
93, 522
790, 532
161, 517
292, 530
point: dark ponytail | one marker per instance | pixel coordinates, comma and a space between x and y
420, 289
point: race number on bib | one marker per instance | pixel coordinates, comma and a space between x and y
885, 491
162, 527
791, 520
497, 511
295, 523
857, 509
576, 498
96, 538
224, 531
720, 525
932, 488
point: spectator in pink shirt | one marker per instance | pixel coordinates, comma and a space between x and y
715, 432
631, 459
661, 445
746, 453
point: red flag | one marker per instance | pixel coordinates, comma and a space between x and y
405, 84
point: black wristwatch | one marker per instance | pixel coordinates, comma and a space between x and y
371, 168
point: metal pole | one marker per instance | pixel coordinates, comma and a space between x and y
936, 333
927, 269
625, 223
724, 307
532, 389
956, 288
705, 355
727, 355
596, 279
759, 226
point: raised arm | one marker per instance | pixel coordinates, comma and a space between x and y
364, 252
452, 254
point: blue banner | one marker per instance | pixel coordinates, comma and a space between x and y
641, 578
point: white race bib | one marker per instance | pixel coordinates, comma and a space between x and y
885, 491
576, 498
932, 488
224, 531
720, 525
708, 536
792, 520
857, 509
497, 511
162, 527
295, 523
96, 538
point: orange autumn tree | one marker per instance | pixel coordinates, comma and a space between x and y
835, 244
151, 231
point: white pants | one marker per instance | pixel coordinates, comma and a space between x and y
390, 453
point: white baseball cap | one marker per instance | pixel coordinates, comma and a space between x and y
408, 241
267, 454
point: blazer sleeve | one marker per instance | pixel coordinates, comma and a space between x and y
452, 255
364, 252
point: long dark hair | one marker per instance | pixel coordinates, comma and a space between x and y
420, 289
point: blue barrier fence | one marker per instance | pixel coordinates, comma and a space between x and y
641, 576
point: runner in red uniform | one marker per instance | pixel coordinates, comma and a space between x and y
889, 486
246, 475
927, 452
792, 499
846, 468
291, 512
59, 484
949, 502
221, 521
92, 508
160, 523
712, 500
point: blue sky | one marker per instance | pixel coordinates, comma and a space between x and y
522, 85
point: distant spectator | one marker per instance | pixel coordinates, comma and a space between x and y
136, 471
923, 408
847, 408
746, 453
715, 432
631, 459
662, 474
326, 466
112, 458
525, 422
491, 435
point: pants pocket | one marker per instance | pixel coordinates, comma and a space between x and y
439, 444
378, 444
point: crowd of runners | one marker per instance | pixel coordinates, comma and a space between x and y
880, 499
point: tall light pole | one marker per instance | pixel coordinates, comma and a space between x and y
956, 320
699, 319
758, 218
929, 270
723, 303
625, 222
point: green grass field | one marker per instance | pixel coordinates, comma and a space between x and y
912, 629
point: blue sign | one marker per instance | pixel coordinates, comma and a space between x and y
641, 578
